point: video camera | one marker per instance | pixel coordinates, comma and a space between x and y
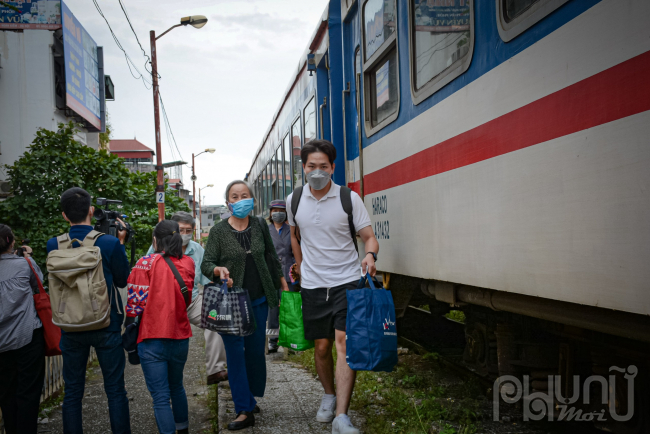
106, 222
20, 251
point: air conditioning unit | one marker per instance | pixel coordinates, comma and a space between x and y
5, 189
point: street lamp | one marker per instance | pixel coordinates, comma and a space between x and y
210, 150
201, 210
196, 21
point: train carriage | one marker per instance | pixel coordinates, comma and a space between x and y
502, 149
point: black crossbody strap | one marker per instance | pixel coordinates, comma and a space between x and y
295, 201
346, 202
184, 292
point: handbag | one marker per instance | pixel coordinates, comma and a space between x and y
370, 328
51, 333
227, 311
292, 330
132, 330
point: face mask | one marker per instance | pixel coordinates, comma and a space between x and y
186, 239
318, 179
279, 217
242, 208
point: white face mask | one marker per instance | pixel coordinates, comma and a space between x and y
186, 239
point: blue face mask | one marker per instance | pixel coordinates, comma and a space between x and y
242, 208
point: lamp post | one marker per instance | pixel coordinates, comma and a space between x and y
201, 211
196, 21
210, 150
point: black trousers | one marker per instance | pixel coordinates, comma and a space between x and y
22, 372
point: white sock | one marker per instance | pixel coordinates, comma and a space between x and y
344, 417
328, 399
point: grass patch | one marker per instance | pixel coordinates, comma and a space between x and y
415, 397
51, 403
456, 315
213, 406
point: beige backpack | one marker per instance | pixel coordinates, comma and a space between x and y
80, 298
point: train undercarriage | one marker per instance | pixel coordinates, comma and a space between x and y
554, 360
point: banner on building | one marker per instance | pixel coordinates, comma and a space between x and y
30, 14
81, 70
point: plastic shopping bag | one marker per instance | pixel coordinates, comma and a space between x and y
292, 330
227, 310
371, 335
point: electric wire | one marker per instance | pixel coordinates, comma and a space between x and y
128, 20
129, 62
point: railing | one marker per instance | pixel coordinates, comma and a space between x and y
53, 378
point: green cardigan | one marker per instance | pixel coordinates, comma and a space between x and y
224, 250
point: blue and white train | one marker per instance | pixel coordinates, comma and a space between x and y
502, 149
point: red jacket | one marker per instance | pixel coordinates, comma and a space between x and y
154, 293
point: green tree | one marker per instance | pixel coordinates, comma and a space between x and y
56, 162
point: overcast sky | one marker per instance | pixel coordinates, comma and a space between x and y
220, 84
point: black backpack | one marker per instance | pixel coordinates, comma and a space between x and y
346, 202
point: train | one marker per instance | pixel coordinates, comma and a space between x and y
502, 150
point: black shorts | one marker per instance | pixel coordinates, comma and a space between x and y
325, 310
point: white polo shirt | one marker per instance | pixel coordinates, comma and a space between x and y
328, 255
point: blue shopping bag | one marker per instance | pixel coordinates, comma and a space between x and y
371, 335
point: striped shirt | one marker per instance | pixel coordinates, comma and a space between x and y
18, 317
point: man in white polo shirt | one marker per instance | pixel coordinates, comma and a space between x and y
328, 263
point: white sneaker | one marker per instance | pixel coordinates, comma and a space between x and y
342, 425
327, 409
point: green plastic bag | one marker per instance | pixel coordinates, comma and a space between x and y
292, 331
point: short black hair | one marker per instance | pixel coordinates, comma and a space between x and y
323, 146
75, 203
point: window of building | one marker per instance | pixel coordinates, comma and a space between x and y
310, 120
296, 146
441, 40
515, 16
381, 76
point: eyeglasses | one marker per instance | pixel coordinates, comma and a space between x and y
186, 231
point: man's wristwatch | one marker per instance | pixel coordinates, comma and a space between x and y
374, 255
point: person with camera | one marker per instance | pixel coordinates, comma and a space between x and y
157, 297
215, 353
22, 345
107, 341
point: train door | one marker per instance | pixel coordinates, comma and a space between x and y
322, 100
353, 99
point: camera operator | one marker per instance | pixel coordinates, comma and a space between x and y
75, 346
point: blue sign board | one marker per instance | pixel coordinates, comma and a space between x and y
81, 69
30, 14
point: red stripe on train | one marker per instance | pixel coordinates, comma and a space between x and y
618, 92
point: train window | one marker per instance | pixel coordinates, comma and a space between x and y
379, 24
380, 69
310, 120
272, 165
295, 150
515, 16
441, 41
269, 186
286, 165
278, 158
383, 84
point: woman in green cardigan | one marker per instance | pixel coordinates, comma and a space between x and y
236, 251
